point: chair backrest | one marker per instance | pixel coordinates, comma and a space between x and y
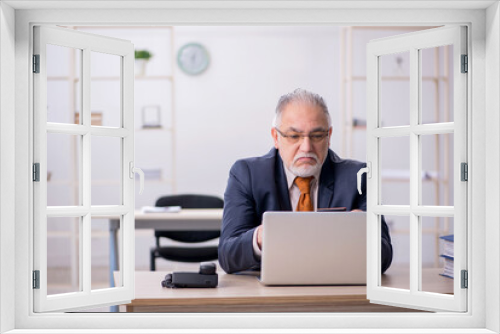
190, 201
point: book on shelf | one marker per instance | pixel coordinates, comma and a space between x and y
448, 266
448, 255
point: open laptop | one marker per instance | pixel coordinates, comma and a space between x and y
314, 248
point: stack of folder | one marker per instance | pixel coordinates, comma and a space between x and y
448, 254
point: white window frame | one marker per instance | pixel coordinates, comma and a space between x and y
413, 43
483, 103
87, 43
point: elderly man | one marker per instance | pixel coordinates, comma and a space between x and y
300, 173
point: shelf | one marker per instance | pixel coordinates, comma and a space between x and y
397, 78
153, 77
161, 128
65, 234
70, 183
137, 77
404, 175
407, 232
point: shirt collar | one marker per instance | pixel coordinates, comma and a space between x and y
290, 177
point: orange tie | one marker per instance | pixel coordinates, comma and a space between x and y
304, 184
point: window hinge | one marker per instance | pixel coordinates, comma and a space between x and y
36, 279
36, 172
464, 171
465, 64
36, 63
465, 279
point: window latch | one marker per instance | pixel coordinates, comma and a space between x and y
368, 171
132, 171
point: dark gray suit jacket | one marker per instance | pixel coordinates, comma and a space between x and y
257, 185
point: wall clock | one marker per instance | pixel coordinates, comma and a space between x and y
193, 58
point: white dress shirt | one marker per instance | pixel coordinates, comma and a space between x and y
294, 194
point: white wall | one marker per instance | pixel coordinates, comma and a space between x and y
225, 113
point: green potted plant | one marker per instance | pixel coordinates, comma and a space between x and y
141, 59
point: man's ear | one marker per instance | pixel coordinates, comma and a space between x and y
274, 133
330, 130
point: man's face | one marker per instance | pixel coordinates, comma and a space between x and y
303, 157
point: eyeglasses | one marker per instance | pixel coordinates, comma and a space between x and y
295, 137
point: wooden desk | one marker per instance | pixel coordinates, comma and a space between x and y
244, 293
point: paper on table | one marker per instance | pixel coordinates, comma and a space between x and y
160, 209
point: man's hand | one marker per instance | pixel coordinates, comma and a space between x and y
259, 237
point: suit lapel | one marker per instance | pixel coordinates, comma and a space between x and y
282, 185
326, 183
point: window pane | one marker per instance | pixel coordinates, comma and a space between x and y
106, 89
395, 170
399, 229
437, 254
63, 254
437, 169
63, 169
63, 83
106, 170
395, 89
437, 84
101, 253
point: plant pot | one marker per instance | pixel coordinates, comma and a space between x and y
140, 67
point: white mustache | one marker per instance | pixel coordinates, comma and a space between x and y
306, 155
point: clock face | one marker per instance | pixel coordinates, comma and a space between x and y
192, 58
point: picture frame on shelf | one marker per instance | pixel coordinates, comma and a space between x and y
153, 174
151, 117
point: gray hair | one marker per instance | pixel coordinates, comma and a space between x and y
300, 95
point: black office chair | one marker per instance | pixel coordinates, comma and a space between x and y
186, 254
